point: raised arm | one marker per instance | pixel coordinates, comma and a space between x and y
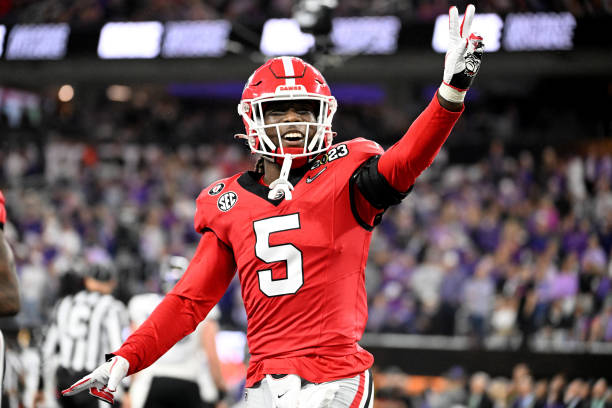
385, 180
414, 152
9, 288
203, 284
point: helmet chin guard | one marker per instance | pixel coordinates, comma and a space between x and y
287, 79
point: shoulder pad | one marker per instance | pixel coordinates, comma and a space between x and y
207, 199
362, 145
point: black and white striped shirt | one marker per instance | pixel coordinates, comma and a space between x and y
85, 326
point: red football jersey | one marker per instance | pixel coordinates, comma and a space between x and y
301, 262
301, 265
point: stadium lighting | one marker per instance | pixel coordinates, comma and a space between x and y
119, 93
37, 41
196, 38
130, 40
2, 33
488, 25
365, 35
539, 31
65, 93
282, 36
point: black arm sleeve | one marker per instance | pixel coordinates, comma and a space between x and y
374, 187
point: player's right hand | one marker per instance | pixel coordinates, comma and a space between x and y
103, 381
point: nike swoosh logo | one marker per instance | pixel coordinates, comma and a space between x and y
281, 395
311, 179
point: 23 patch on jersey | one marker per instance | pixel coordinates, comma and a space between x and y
336, 152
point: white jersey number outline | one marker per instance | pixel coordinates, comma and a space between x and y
287, 253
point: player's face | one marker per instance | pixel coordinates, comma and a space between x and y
290, 111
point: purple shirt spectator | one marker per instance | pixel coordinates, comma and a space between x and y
564, 284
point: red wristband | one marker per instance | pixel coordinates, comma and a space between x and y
2, 210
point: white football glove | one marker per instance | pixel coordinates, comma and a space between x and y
103, 381
462, 57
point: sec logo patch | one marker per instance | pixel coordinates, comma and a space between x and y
227, 201
216, 189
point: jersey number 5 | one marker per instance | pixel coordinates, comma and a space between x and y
287, 253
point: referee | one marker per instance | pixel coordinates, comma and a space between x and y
84, 326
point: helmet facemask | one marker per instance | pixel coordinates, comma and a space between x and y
252, 112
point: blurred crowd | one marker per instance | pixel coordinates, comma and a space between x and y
505, 246
502, 247
91, 12
457, 389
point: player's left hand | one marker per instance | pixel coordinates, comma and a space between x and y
103, 381
463, 56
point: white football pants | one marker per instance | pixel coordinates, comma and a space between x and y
288, 392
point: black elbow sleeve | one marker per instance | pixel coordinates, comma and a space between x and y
374, 187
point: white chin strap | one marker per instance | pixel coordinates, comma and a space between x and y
281, 186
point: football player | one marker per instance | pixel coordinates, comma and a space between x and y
9, 288
297, 230
173, 379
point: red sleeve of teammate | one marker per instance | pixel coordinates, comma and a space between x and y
205, 281
2, 211
416, 150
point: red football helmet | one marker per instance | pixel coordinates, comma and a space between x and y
281, 79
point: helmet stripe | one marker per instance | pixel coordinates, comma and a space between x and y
289, 72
